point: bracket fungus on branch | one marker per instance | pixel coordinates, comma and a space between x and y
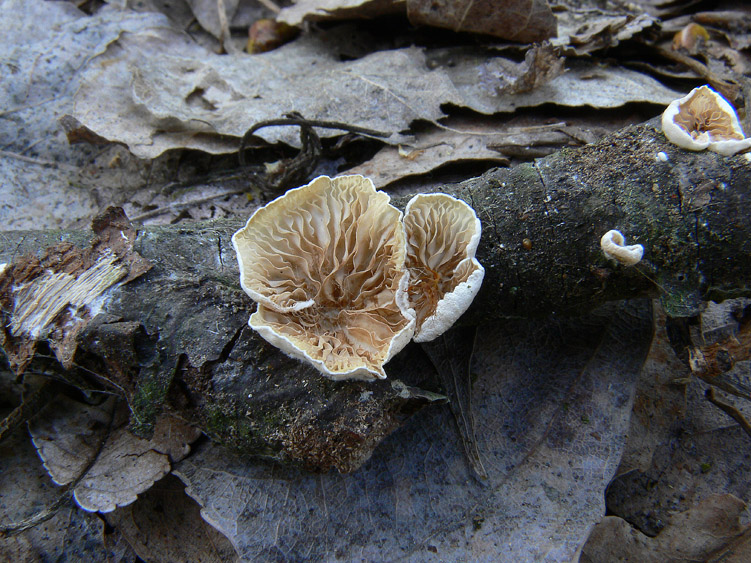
325, 262
442, 237
341, 281
704, 120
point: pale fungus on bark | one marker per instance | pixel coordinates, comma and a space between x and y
613, 245
442, 237
704, 120
325, 262
343, 280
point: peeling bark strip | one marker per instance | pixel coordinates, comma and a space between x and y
179, 333
39, 301
54, 296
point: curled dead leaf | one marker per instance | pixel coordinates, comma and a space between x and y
525, 21
90, 448
266, 35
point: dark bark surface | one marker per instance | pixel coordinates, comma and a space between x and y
178, 336
692, 214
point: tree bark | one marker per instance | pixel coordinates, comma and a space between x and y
691, 212
177, 335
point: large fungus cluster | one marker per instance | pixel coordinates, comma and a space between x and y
344, 281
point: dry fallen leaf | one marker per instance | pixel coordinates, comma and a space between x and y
164, 524
47, 183
126, 467
477, 77
70, 534
322, 10
701, 532
460, 141
75, 439
683, 447
584, 27
154, 92
660, 404
69, 436
525, 21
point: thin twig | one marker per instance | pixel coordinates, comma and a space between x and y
29, 106
184, 205
39, 517
726, 88
730, 410
37, 161
270, 5
224, 35
213, 178
301, 121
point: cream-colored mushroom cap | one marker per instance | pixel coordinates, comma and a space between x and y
442, 237
704, 120
325, 262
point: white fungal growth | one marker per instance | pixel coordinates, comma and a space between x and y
343, 280
704, 120
442, 237
325, 262
614, 248
662, 157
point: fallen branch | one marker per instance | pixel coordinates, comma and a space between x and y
178, 336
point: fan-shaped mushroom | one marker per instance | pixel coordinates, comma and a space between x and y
704, 120
442, 236
325, 262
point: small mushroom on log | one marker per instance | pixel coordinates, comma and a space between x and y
442, 237
704, 120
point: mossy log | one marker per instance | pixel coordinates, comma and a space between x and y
542, 224
176, 336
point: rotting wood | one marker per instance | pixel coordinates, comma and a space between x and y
178, 334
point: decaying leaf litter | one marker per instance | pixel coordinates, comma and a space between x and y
453, 81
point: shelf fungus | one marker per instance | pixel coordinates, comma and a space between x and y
704, 120
442, 236
613, 245
325, 262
